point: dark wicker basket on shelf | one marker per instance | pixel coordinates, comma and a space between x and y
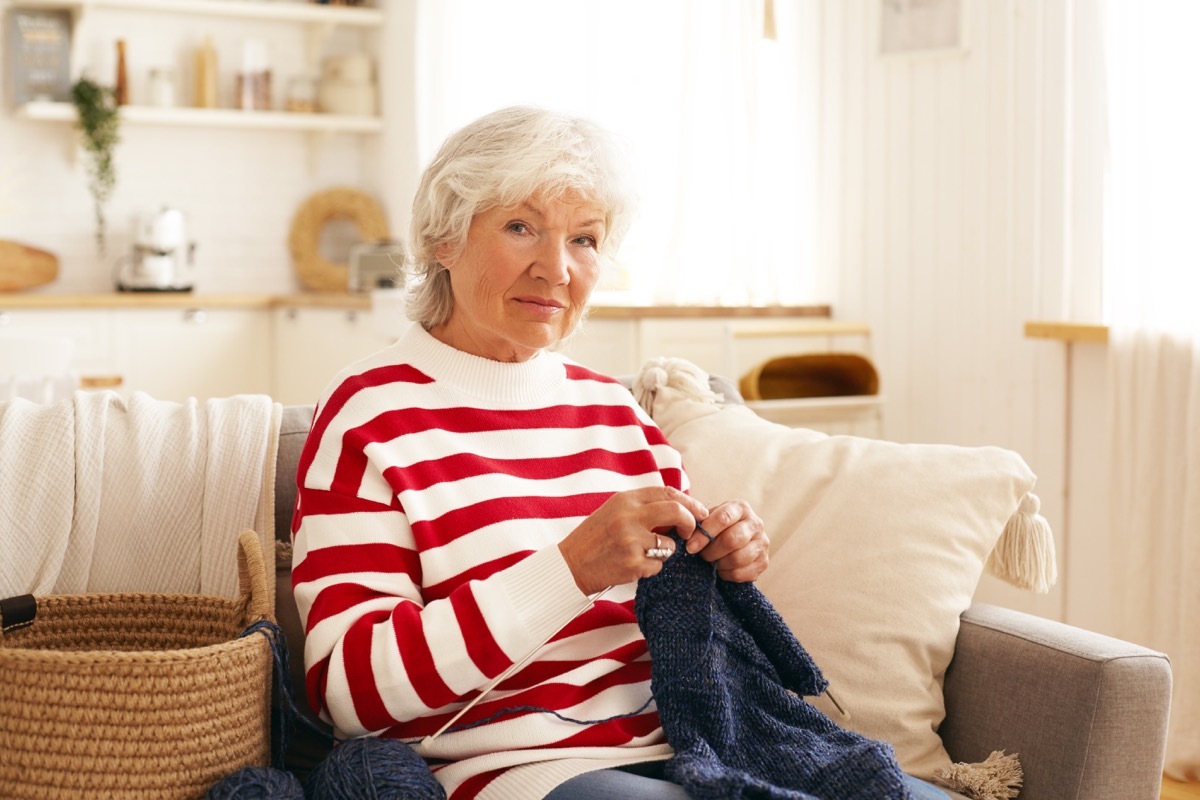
810, 375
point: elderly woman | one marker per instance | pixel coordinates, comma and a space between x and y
475, 509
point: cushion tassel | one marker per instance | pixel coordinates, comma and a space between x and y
1024, 555
999, 777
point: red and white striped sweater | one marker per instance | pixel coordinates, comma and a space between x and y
434, 489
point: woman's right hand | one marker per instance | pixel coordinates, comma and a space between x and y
609, 547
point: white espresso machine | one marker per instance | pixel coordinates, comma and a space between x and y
163, 260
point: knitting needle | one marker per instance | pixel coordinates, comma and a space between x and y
516, 665
836, 704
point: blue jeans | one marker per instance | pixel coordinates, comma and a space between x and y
644, 782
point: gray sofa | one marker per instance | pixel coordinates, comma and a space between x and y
1087, 713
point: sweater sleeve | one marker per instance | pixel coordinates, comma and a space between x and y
669, 460
378, 653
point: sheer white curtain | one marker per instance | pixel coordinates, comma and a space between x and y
1152, 289
719, 119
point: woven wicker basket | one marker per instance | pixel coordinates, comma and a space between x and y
810, 375
123, 696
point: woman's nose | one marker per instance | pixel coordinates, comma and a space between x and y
553, 263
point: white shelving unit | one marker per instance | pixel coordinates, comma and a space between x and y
249, 9
754, 341
215, 118
318, 20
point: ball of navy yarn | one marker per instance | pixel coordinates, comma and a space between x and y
373, 769
257, 783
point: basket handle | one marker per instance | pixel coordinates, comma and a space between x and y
252, 577
17, 612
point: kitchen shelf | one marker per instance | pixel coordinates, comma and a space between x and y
310, 13
808, 412
1095, 333
215, 118
318, 18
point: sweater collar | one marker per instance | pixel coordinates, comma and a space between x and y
482, 378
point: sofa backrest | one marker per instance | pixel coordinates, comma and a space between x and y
293, 432
310, 740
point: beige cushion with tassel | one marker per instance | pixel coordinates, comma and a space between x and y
876, 547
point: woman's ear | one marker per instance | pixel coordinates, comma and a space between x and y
445, 254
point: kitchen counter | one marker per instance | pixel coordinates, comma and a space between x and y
1067, 331
15, 301
63, 302
179, 345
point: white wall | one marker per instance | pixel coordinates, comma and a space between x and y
955, 210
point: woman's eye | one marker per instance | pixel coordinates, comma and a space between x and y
586, 241
518, 227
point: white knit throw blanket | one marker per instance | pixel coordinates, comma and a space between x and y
103, 494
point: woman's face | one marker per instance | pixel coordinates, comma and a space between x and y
523, 278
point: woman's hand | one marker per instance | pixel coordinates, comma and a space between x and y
739, 547
609, 547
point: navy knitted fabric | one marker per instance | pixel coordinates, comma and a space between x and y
722, 664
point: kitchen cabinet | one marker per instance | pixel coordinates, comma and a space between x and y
605, 345
174, 27
314, 344
91, 333
701, 341
173, 354
176, 346
170, 354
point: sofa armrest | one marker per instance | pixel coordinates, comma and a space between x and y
1086, 713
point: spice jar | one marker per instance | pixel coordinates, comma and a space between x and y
254, 81
162, 87
302, 94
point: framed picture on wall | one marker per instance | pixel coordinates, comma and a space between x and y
38, 42
921, 27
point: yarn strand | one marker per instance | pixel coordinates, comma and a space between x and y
286, 713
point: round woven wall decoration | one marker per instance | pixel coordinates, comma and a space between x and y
314, 270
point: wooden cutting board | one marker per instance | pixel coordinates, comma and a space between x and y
23, 267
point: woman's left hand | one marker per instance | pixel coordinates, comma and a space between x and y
739, 547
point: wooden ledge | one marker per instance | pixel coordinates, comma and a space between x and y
1067, 331
817, 314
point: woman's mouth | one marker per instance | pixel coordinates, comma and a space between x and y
540, 305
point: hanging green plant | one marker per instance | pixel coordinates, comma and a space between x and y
99, 122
